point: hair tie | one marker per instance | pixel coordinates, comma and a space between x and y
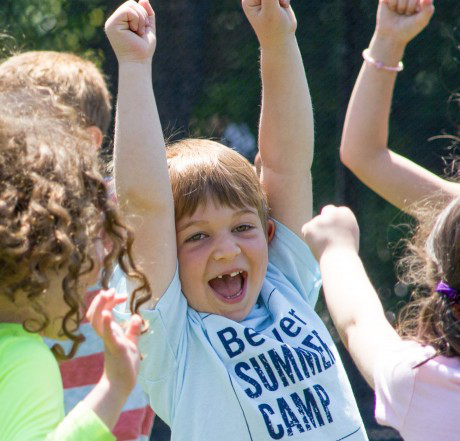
444, 289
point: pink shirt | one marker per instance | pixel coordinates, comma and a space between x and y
422, 403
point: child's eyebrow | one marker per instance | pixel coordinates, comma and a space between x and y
193, 222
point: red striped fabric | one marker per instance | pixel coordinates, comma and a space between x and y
127, 427
82, 371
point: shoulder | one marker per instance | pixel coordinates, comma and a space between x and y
291, 260
395, 377
27, 361
30, 374
396, 363
286, 242
24, 347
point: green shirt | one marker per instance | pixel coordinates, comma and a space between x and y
31, 395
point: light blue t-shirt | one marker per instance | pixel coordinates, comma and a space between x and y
275, 375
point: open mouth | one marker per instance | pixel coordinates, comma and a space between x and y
230, 287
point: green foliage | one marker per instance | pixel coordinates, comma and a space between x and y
73, 26
331, 35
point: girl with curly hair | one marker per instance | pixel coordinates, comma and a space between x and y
59, 231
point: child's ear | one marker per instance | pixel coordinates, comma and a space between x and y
96, 135
271, 227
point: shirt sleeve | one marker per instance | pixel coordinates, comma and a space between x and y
81, 424
163, 346
292, 256
394, 380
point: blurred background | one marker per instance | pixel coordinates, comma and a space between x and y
206, 80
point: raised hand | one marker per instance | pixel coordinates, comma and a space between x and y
121, 354
273, 21
403, 19
334, 227
131, 32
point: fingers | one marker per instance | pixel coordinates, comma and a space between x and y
412, 6
409, 7
401, 6
105, 300
392, 4
107, 335
137, 17
150, 12
114, 337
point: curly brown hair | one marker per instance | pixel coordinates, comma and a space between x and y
54, 205
433, 255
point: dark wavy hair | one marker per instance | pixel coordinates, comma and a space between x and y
54, 205
433, 255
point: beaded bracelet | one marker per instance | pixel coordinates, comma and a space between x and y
379, 65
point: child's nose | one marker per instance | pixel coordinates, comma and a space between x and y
227, 249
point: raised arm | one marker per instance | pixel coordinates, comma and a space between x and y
351, 299
364, 148
286, 123
141, 173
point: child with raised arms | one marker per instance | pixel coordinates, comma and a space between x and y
364, 147
234, 349
54, 211
416, 375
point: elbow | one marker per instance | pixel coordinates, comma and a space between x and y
346, 156
345, 333
354, 160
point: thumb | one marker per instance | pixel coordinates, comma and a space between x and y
147, 6
150, 12
271, 5
134, 328
250, 3
308, 226
426, 12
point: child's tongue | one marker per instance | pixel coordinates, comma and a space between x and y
227, 286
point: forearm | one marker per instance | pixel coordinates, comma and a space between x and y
349, 294
364, 147
365, 133
107, 400
355, 309
286, 123
286, 135
141, 173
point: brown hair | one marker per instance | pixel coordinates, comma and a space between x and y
53, 205
76, 82
200, 168
433, 256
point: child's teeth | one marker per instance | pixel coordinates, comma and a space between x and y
231, 274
